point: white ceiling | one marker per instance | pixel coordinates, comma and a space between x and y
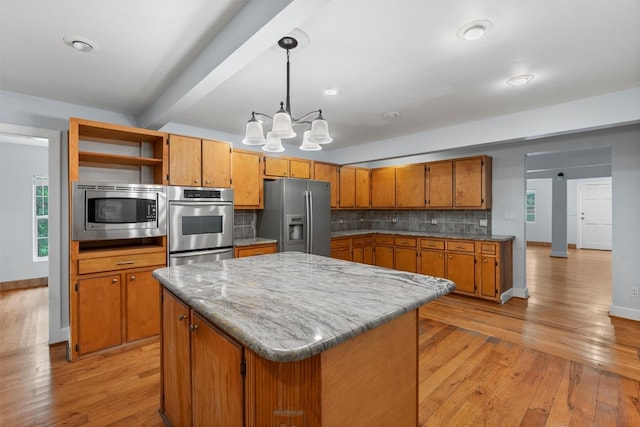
209, 64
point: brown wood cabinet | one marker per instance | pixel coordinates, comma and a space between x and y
142, 305
329, 173
99, 308
460, 266
252, 250
199, 162
202, 382
433, 261
341, 248
246, 173
287, 167
411, 186
383, 187
354, 188
362, 249
460, 183
405, 254
383, 251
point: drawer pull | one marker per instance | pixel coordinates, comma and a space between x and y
181, 317
126, 262
259, 253
132, 277
114, 280
193, 327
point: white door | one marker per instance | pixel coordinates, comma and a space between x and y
594, 216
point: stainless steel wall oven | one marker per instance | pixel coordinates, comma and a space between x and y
200, 224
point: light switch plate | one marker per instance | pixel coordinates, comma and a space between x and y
483, 223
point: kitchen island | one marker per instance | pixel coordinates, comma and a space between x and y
291, 339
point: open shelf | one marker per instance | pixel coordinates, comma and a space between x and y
90, 159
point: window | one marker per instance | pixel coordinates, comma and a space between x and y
531, 205
40, 218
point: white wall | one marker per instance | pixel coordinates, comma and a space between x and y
18, 164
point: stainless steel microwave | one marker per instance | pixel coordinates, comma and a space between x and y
102, 211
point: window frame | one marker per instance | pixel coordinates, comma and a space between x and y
39, 181
530, 209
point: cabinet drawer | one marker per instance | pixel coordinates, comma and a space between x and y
489, 249
256, 250
368, 240
384, 240
357, 242
406, 241
453, 245
432, 244
96, 265
339, 243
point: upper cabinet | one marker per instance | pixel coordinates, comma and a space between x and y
247, 179
354, 187
383, 187
410, 186
286, 167
112, 153
199, 162
460, 183
329, 173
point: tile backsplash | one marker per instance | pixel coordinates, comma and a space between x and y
446, 221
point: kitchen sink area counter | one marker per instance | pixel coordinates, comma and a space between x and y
290, 306
451, 236
253, 241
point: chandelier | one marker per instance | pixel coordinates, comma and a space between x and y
283, 121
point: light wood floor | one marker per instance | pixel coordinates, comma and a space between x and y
548, 361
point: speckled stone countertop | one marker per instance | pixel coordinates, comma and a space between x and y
493, 237
290, 306
253, 241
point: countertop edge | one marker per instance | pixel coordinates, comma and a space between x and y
490, 238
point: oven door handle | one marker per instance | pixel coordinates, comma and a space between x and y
196, 204
207, 252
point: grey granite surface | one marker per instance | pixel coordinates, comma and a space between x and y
492, 237
290, 306
250, 241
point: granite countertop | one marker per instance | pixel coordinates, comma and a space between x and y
492, 237
251, 241
290, 306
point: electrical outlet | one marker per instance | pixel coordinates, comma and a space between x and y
340, 221
361, 219
434, 221
483, 223
634, 292
253, 224
394, 219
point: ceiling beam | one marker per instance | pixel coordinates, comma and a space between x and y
256, 28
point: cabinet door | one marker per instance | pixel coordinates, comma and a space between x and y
299, 168
410, 186
347, 187
185, 166
432, 263
461, 270
216, 164
176, 362
275, 166
216, 375
440, 184
99, 313
367, 255
357, 255
383, 187
363, 188
143, 305
328, 173
383, 256
247, 179
488, 271
255, 250
468, 183
406, 260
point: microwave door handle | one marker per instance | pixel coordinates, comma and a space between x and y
208, 252
192, 204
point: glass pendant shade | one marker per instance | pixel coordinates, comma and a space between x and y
273, 145
308, 145
282, 125
320, 132
254, 134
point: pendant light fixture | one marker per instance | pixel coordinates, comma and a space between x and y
283, 121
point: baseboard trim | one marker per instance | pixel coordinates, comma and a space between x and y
559, 254
548, 245
520, 292
12, 285
624, 312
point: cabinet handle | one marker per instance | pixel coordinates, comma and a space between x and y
485, 260
448, 203
193, 327
450, 256
125, 262
208, 181
196, 181
181, 317
440, 256
114, 280
132, 277
259, 253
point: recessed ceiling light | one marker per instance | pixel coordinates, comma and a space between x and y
391, 115
520, 80
331, 92
81, 44
474, 29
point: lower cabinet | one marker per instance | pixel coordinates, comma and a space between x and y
383, 251
116, 308
405, 254
193, 374
362, 249
252, 250
341, 248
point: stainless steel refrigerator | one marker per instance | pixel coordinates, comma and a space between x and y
297, 213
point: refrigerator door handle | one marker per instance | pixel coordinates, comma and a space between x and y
309, 208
